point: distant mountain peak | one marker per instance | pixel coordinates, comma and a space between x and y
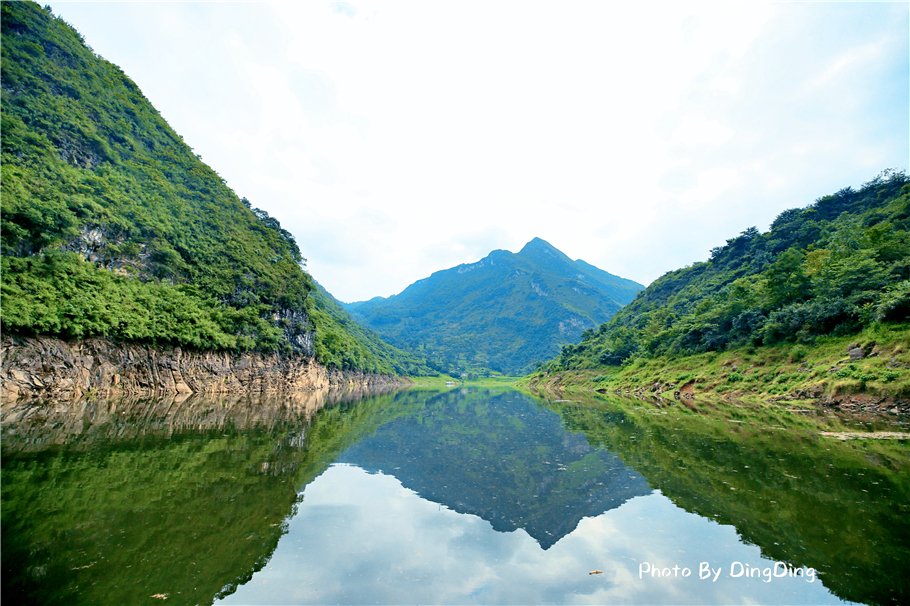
503, 312
538, 245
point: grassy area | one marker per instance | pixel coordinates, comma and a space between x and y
493, 382
820, 370
440, 382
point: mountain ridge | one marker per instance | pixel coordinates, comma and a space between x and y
497, 313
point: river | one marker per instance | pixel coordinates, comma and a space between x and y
459, 496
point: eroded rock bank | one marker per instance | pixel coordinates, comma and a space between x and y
53, 368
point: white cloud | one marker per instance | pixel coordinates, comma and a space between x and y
725, 84
853, 59
711, 184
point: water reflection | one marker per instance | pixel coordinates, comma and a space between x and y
34, 425
501, 457
803, 498
444, 497
360, 538
116, 502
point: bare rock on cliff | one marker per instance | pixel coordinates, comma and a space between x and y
53, 368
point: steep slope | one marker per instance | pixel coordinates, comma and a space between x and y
504, 312
112, 227
832, 268
343, 343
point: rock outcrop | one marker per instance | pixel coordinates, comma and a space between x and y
50, 367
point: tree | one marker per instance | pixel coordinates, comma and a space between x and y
786, 280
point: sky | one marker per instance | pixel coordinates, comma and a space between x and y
398, 139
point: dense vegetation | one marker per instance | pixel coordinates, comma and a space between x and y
343, 343
502, 314
832, 268
113, 227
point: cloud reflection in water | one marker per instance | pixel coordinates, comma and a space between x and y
363, 538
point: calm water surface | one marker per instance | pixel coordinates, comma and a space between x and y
461, 496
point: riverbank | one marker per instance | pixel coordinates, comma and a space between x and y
869, 371
46, 367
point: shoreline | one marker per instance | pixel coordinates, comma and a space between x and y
567, 383
864, 372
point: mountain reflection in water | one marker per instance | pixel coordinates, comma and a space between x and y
459, 496
501, 457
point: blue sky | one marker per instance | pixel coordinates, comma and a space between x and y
397, 139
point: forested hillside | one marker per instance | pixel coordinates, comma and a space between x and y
831, 268
503, 313
344, 343
113, 227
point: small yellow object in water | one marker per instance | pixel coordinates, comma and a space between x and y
596, 572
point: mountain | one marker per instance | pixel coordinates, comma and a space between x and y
835, 267
112, 227
504, 312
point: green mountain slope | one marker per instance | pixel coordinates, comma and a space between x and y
113, 227
504, 312
342, 342
832, 268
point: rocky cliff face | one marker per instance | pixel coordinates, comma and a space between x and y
52, 368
